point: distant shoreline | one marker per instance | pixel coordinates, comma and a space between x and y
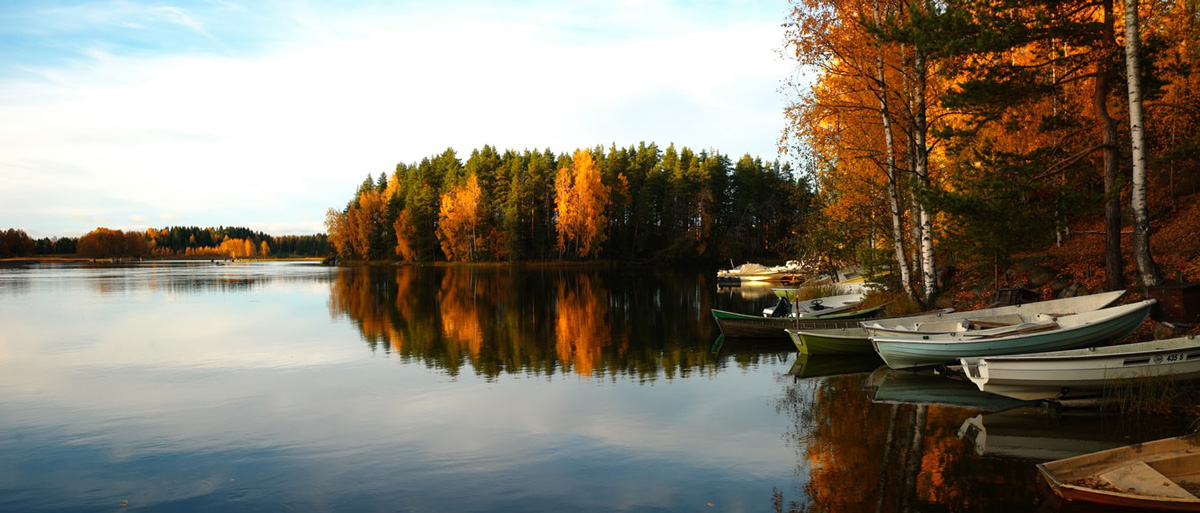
53, 259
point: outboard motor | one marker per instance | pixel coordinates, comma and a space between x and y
783, 308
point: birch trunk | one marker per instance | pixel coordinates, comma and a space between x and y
921, 168
1137, 130
893, 186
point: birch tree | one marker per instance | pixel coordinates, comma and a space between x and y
1137, 130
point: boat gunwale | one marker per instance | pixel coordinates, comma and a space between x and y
1092, 353
926, 340
1104, 300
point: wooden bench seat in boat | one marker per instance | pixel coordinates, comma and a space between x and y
1142, 479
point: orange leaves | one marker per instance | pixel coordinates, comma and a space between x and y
106, 243
580, 327
404, 244
580, 200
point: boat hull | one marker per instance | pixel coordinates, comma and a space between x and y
916, 350
738, 325
1083, 371
735, 325
831, 341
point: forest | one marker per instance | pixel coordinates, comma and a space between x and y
634, 204
967, 131
175, 241
923, 135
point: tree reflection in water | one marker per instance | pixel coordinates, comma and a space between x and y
499, 319
862, 456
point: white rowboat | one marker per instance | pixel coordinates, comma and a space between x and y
1075, 372
1034, 333
954, 320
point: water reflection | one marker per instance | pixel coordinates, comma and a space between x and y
888, 385
543, 321
894, 441
158, 276
861, 455
1039, 433
806, 366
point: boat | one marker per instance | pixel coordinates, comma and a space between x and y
790, 272
1059, 374
856, 339
1158, 475
1018, 334
953, 321
851, 340
788, 306
814, 313
739, 325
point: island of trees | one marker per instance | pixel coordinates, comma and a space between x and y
640, 203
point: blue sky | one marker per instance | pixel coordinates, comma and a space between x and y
133, 114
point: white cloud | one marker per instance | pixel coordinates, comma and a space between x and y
275, 138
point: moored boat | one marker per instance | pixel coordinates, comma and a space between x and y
952, 321
852, 340
1160, 475
814, 308
1058, 374
1029, 333
856, 339
790, 272
739, 325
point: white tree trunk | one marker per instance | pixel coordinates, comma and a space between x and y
921, 168
893, 186
1137, 131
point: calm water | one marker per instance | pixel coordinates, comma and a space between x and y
294, 387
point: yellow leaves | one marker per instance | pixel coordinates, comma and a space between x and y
238, 248
580, 201
459, 221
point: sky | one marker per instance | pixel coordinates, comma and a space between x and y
131, 114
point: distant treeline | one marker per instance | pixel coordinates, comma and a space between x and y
631, 204
235, 242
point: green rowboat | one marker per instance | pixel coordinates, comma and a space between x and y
739, 325
852, 340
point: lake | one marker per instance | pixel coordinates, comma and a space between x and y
289, 386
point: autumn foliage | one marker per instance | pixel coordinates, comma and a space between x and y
580, 200
635, 203
1003, 122
106, 243
459, 228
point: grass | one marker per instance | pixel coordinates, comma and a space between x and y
1150, 395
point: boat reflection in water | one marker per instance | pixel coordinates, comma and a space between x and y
925, 387
818, 366
1043, 433
899, 441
